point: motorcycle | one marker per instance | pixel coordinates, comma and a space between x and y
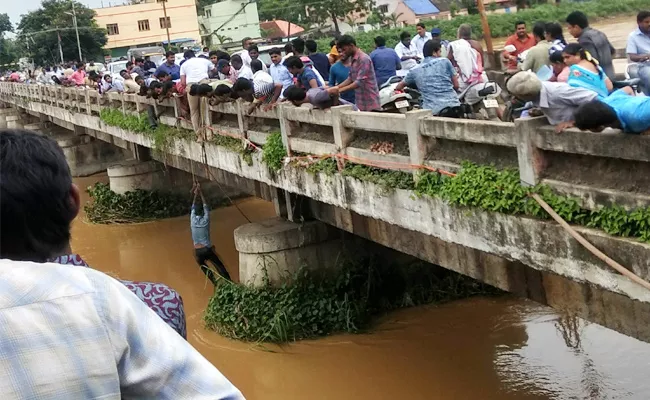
482, 97
393, 100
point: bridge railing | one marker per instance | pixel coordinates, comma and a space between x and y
597, 168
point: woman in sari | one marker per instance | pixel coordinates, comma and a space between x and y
584, 71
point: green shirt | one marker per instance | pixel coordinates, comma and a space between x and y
537, 57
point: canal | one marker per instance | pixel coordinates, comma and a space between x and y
479, 348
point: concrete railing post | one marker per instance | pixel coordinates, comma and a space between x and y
342, 135
242, 121
417, 143
285, 127
530, 158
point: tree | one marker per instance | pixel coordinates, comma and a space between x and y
393, 19
336, 10
8, 53
287, 10
352, 21
38, 32
375, 19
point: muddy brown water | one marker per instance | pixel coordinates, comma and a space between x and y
479, 348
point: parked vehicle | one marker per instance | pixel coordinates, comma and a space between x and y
393, 100
482, 97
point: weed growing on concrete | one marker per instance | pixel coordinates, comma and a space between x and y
108, 207
273, 152
346, 302
235, 145
387, 180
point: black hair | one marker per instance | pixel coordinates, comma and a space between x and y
139, 60
576, 49
404, 35
641, 16
122, 72
431, 47
244, 40
200, 89
213, 53
520, 22
206, 49
80, 65
594, 114
554, 30
36, 186
539, 29
242, 84
346, 40
188, 54
295, 93
556, 57
236, 58
421, 25
155, 85
129, 63
222, 55
222, 90
275, 50
380, 41
170, 53
311, 46
253, 47
293, 62
161, 74
138, 77
288, 48
298, 45
577, 18
332, 43
256, 65
203, 56
166, 87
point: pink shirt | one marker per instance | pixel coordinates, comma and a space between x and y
78, 77
564, 75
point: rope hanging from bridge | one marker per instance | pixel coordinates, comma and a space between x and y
393, 165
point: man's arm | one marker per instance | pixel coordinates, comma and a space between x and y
633, 52
313, 83
152, 360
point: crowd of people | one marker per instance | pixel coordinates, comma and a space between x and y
444, 72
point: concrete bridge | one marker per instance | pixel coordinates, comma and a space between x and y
532, 258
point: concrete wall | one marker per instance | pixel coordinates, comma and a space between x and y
232, 23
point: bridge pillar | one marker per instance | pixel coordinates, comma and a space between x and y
290, 206
277, 248
133, 174
86, 155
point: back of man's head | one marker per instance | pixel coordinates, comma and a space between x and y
38, 199
431, 47
256, 65
465, 31
294, 93
578, 18
298, 45
539, 30
311, 46
525, 85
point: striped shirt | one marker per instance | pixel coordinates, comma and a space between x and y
76, 333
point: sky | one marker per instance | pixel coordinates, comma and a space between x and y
15, 8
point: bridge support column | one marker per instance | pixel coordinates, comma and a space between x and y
133, 174
289, 205
86, 155
277, 248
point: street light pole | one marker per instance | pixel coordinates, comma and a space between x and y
60, 48
76, 29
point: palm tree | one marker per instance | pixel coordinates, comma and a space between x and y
222, 38
393, 19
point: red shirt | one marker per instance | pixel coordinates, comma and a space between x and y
520, 45
78, 77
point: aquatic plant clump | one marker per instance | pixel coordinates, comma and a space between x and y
310, 307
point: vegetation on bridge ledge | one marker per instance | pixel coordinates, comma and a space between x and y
310, 307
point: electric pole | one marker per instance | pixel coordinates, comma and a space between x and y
169, 41
60, 48
76, 29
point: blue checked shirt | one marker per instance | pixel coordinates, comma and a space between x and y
75, 333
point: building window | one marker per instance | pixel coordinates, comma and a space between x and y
383, 8
112, 29
165, 23
143, 25
207, 12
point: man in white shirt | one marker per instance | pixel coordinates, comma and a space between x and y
407, 52
420, 38
195, 70
68, 331
241, 70
245, 56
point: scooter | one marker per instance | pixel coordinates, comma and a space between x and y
482, 97
400, 101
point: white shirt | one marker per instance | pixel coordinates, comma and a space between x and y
196, 69
245, 57
70, 332
419, 42
403, 51
245, 72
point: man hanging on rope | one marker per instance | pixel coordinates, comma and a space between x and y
203, 248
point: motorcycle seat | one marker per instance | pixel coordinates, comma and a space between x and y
627, 82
